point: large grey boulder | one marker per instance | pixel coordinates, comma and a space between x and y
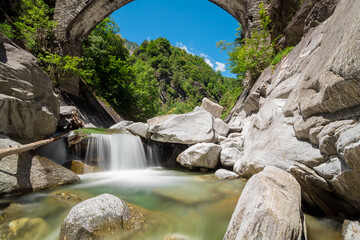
140, 129
204, 155
121, 125
221, 127
229, 156
99, 218
29, 108
27, 172
306, 116
189, 128
269, 208
225, 174
212, 107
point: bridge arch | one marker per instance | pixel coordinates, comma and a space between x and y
77, 18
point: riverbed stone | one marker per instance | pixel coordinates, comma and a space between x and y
28, 172
200, 155
229, 156
100, 217
212, 107
29, 108
225, 174
140, 129
121, 125
221, 127
188, 128
269, 208
350, 229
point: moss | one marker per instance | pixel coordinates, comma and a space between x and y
283, 53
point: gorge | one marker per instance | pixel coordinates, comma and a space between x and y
293, 133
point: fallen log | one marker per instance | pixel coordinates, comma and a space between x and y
27, 147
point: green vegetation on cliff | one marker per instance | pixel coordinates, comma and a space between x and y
156, 78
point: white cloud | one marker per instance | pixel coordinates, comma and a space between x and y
183, 47
207, 59
220, 67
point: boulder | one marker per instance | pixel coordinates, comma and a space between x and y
140, 129
213, 108
350, 230
200, 155
221, 127
269, 208
229, 156
121, 125
188, 128
225, 174
235, 142
159, 119
100, 217
80, 167
70, 118
29, 108
27, 172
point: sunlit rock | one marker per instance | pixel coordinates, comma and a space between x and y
225, 174
140, 129
200, 155
212, 107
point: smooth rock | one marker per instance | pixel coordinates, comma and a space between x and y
225, 174
99, 218
121, 125
140, 129
269, 208
229, 156
188, 128
159, 119
200, 155
213, 108
350, 230
29, 108
27, 173
221, 127
236, 142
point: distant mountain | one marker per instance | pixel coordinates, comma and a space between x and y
131, 46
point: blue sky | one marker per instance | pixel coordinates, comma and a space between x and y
194, 25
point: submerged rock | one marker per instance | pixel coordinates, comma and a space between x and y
28, 228
225, 174
189, 128
100, 217
80, 167
269, 208
27, 172
29, 107
200, 155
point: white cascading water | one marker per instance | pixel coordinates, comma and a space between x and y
117, 152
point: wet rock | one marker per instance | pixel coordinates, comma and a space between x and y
100, 217
121, 125
269, 208
68, 197
140, 129
225, 174
351, 230
28, 228
27, 172
229, 156
176, 237
80, 167
213, 108
221, 127
28, 104
188, 128
200, 155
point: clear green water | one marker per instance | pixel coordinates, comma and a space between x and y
197, 206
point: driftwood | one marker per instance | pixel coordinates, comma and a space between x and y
27, 147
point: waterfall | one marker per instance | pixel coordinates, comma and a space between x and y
118, 152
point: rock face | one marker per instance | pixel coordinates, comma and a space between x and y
26, 173
269, 208
99, 217
306, 119
29, 109
140, 129
204, 155
189, 128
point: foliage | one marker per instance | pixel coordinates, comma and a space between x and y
280, 55
251, 55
